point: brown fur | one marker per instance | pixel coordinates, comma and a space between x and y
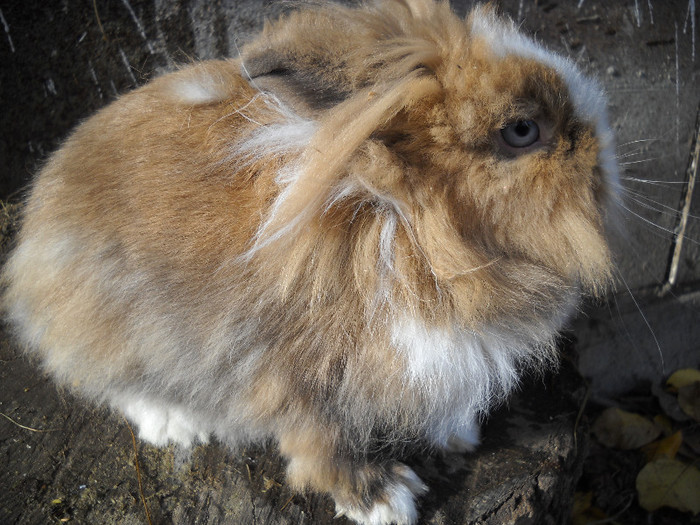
173, 233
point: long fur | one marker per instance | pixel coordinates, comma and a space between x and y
322, 242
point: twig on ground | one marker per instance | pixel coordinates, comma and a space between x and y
288, 502
99, 22
579, 415
138, 473
25, 427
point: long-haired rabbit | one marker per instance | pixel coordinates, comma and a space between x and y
350, 240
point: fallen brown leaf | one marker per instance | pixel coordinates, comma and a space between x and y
669, 483
618, 428
689, 399
664, 448
682, 377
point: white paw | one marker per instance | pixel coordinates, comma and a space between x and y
397, 505
459, 437
160, 423
465, 441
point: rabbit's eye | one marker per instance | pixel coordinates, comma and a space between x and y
521, 134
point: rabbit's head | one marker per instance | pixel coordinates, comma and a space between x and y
485, 161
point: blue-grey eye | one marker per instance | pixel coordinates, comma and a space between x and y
521, 134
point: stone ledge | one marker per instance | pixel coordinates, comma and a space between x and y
80, 466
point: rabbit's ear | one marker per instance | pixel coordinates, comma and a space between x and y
302, 88
303, 66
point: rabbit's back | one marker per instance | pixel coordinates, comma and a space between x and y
132, 231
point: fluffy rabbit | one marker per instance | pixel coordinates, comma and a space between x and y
350, 240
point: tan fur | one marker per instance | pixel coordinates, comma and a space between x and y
166, 254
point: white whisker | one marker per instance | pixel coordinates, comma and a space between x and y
638, 141
652, 223
650, 181
628, 154
636, 196
659, 227
629, 163
651, 207
646, 322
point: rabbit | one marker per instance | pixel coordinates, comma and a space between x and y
351, 240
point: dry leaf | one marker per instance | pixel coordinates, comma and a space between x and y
691, 439
669, 483
683, 377
664, 423
689, 399
669, 403
584, 512
664, 448
620, 429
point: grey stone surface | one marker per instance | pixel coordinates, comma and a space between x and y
624, 346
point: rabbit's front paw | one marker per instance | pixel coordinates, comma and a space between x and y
161, 423
393, 502
466, 439
461, 436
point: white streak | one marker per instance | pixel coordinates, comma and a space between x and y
651, 12
678, 96
127, 65
94, 78
637, 13
51, 87
386, 270
386, 242
7, 31
139, 26
691, 5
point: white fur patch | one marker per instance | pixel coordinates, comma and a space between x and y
160, 423
35, 265
458, 434
201, 90
291, 134
399, 507
465, 372
457, 365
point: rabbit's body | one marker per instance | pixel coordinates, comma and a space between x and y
327, 245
